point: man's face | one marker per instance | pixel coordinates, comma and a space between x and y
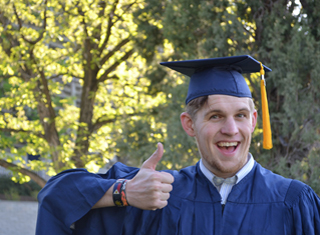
223, 129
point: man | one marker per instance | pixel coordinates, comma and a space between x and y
227, 192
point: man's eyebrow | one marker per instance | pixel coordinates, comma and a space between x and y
244, 109
213, 111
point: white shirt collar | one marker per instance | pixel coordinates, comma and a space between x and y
240, 174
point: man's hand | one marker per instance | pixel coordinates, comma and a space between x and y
150, 189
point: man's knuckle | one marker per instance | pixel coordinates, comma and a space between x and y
155, 177
155, 187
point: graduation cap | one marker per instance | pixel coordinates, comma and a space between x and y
223, 76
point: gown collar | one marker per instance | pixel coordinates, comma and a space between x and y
239, 175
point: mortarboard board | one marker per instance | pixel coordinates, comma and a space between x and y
223, 76
217, 75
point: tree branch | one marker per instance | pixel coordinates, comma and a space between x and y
43, 26
100, 123
45, 110
62, 74
247, 30
7, 36
115, 65
103, 120
117, 48
22, 131
68, 11
83, 19
10, 166
46, 91
8, 76
97, 33
110, 25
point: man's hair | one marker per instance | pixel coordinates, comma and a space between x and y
196, 104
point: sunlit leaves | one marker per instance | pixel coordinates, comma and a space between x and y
134, 104
49, 45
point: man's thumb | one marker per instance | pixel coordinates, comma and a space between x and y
152, 161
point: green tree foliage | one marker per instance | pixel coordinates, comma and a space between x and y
281, 34
286, 40
44, 46
127, 107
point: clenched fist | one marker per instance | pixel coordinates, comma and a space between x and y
150, 189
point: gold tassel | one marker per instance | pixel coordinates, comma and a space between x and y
267, 135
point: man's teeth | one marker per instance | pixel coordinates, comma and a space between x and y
227, 144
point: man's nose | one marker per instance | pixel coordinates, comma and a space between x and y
230, 127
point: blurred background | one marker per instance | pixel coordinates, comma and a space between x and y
81, 85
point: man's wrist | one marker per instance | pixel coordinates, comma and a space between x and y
119, 194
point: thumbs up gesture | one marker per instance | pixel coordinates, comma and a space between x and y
150, 189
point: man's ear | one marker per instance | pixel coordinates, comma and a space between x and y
187, 124
254, 119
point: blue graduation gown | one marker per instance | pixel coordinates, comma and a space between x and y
261, 203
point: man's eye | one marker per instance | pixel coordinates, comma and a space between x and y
214, 117
241, 115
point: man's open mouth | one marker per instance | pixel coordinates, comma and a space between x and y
227, 146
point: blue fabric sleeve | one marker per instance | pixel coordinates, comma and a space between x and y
70, 195
304, 205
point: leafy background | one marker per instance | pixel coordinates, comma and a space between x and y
127, 102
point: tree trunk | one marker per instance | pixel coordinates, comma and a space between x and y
89, 89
